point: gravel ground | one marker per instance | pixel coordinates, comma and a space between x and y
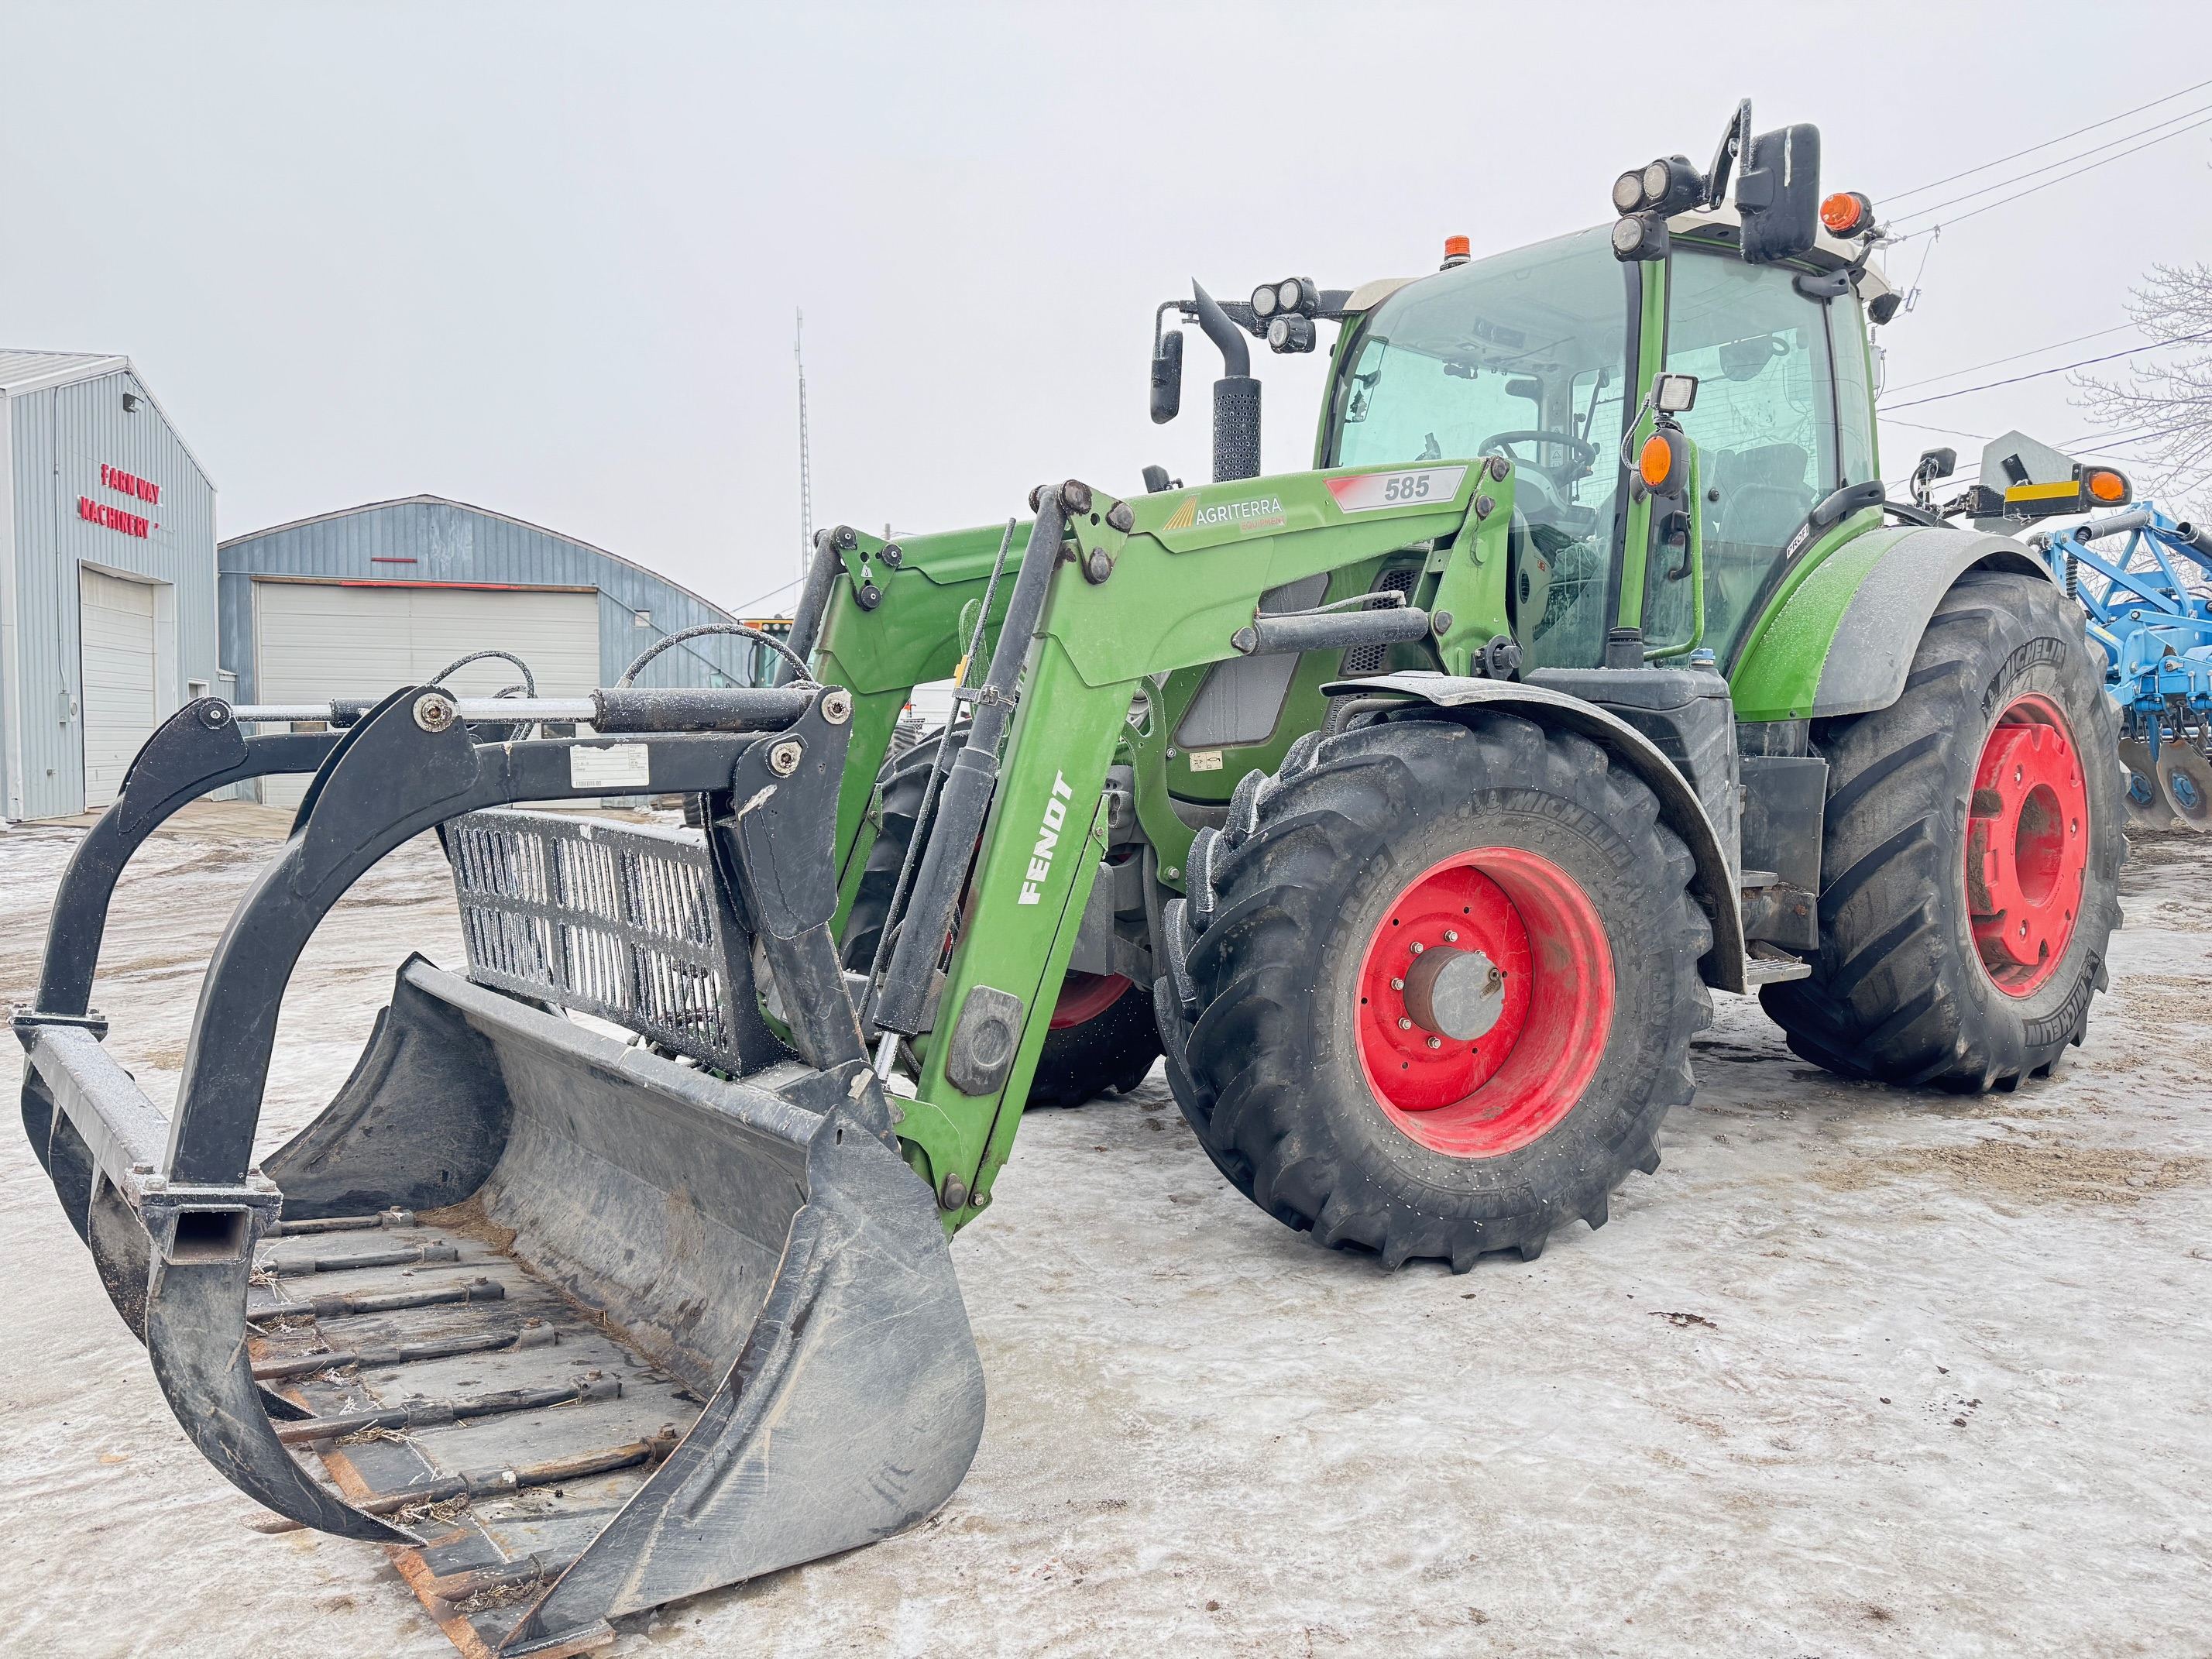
1859, 1371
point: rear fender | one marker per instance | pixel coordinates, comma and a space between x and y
1679, 810
1841, 637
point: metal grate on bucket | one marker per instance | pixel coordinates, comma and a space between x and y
617, 920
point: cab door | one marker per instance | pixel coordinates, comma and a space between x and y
1767, 425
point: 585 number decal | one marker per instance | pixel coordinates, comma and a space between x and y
1371, 492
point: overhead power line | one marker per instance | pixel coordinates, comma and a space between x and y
2128, 437
751, 607
2123, 436
2013, 357
1986, 207
2173, 121
1968, 173
1947, 431
2039, 374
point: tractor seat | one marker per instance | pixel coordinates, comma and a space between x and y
1764, 496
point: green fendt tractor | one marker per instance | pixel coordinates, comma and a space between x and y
1413, 804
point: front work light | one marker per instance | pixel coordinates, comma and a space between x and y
1296, 295
1671, 183
1640, 236
1628, 191
1289, 331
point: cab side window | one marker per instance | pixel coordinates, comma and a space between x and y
1764, 422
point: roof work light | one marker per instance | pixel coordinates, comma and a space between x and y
1293, 295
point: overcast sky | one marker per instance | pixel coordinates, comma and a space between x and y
544, 258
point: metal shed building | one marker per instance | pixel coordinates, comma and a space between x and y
107, 619
355, 603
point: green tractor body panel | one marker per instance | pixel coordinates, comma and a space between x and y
1839, 635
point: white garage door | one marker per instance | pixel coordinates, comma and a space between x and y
115, 636
316, 641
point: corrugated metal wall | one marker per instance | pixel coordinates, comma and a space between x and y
430, 540
59, 437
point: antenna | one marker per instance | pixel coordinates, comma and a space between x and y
805, 472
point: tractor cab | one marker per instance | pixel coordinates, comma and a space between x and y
1545, 355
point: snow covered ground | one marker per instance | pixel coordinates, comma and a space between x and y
1858, 1372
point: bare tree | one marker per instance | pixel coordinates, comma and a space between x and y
2162, 411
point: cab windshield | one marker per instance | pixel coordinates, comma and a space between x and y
1524, 353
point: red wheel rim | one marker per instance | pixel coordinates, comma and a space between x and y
1083, 997
2027, 845
1519, 926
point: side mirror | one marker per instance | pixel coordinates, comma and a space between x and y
1778, 194
1936, 464
1167, 377
1839, 504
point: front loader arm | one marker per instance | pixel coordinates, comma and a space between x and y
1142, 587
912, 634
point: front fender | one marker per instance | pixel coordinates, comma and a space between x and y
1722, 966
1840, 638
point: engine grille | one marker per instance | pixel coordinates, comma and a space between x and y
1374, 658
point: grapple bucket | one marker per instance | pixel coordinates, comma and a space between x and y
574, 1323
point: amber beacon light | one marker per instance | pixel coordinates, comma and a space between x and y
1846, 213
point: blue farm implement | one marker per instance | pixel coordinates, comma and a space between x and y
2144, 583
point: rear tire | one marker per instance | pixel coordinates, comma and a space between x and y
1901, 990
1297, 1076
1108, 1050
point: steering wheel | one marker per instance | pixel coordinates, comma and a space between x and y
1581, 453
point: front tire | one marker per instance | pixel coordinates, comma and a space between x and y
1971, 858
1474, 1093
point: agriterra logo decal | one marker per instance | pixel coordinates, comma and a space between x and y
1262, 513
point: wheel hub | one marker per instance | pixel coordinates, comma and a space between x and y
1455, 993
2027, 845
1486, 999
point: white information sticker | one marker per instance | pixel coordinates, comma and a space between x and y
616, 766
1369, 492
1205, 760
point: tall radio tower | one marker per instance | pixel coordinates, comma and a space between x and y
805, 473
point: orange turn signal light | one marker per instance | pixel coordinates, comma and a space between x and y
2105, 487
1845, 213
1656, 462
